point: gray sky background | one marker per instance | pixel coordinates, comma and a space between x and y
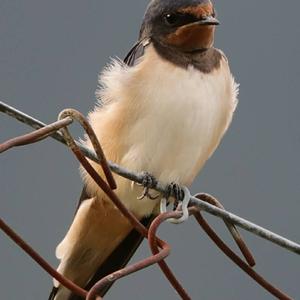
50, 55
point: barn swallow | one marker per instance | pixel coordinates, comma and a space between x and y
164, 109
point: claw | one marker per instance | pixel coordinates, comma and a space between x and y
133, 183
176, 191
182, 205
149, 182
146, 194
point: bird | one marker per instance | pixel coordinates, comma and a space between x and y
164, 109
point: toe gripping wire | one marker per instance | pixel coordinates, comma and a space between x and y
159, 248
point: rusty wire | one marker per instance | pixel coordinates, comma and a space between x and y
40, 260
35, 136
138, 177
234, 232
235, 258
156, 258
201, 201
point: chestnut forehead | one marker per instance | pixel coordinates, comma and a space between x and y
199, 10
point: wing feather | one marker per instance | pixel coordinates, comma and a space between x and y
136, 52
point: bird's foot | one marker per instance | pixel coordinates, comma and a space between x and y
182, 197
176, 191
149, 182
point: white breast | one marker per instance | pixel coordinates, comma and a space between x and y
174, 118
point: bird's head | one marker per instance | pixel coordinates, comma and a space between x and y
187, 25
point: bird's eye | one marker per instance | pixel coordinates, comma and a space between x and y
172, 19
179, 19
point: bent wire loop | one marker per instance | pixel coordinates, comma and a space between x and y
160, 249
183, 207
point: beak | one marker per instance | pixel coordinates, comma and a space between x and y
209, 20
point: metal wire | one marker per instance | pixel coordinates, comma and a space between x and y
200, 201
40, 260
138, 177
247, 225
239, 262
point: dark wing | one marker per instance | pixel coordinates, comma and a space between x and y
117, 260
136, 52
84, 195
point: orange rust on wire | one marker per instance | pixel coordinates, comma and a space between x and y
76, 115
35, 136
235, 258
233, 230
154, 248
97, 178
114, 198
41, 261
220, 244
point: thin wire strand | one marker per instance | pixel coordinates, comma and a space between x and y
159, 256
233, 230
35, 136
247, 225
40, 260
241, 222
236, 259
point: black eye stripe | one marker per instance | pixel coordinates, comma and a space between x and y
179, 19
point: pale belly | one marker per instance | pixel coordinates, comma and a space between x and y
169, 121
180, 127
176, 134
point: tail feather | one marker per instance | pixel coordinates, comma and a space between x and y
53, 293
60, 293
117, 260
86, 255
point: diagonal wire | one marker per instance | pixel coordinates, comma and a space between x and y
40, 260
236, 259
243, 223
